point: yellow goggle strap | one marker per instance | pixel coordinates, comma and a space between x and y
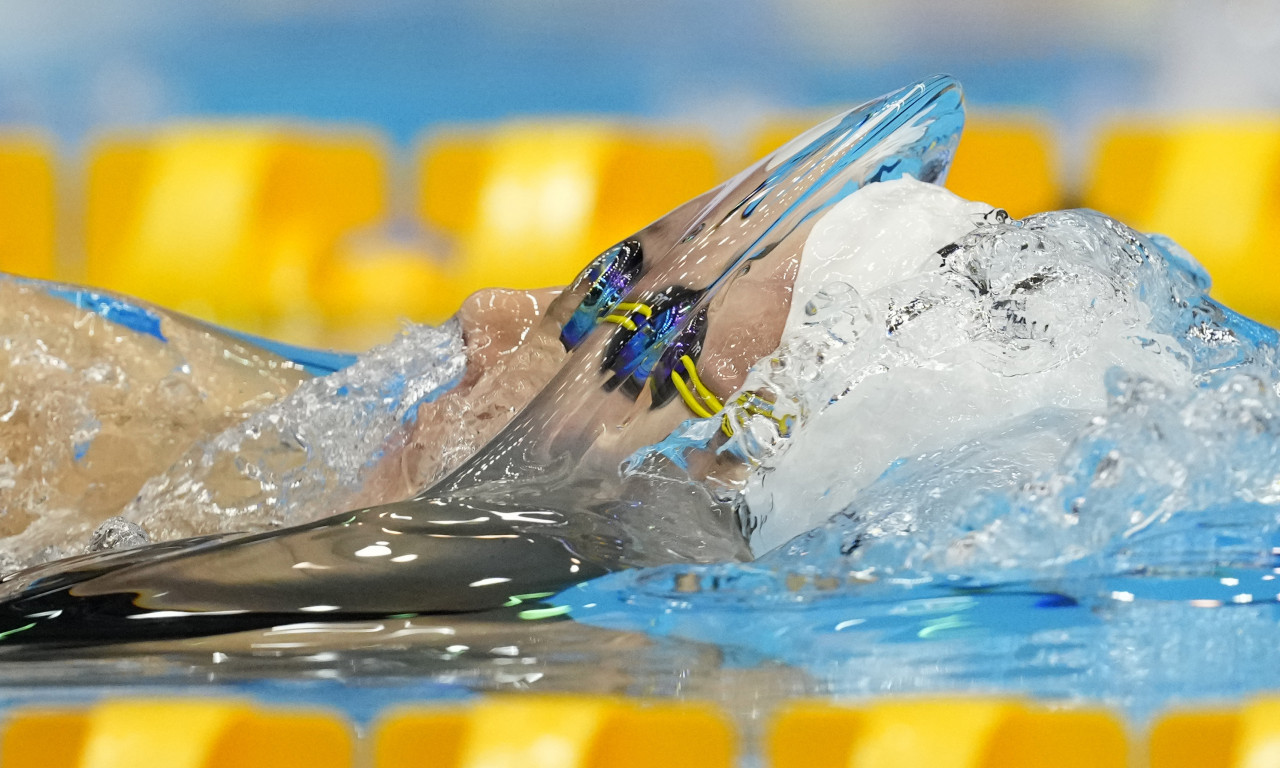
620, 317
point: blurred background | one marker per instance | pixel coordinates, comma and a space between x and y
319, 170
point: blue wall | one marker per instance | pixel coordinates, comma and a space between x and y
71, 67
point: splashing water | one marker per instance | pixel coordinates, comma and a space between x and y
1067, 337
307, 455
1009, 319
1043, 451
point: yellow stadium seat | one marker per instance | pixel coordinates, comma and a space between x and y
582, 731
1005, 160
27, 204
1243, 737
1214, 187
371, 287
451, 167
813, 735
945, 733
1124, 172
556, 732
1008, 161
528, 204
175, 733
233, 223
1201, 738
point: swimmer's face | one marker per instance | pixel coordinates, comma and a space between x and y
674, 296
703, 293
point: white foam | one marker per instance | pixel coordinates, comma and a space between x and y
901, 352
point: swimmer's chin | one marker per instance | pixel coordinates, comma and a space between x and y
513, 351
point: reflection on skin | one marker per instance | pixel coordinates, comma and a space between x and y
541, 506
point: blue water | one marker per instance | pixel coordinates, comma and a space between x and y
1137, 642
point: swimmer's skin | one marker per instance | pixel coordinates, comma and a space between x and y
494, 534
513, 350
150, 395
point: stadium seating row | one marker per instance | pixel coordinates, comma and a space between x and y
600, 732
291, 231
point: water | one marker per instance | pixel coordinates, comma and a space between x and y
307, 455
1006, 455
167, 427
1079, 500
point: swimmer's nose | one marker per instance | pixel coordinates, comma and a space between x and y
496, 320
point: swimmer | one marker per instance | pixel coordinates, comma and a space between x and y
657, 330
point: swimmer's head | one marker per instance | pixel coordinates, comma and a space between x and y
692, 300
683, 308
710, 283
